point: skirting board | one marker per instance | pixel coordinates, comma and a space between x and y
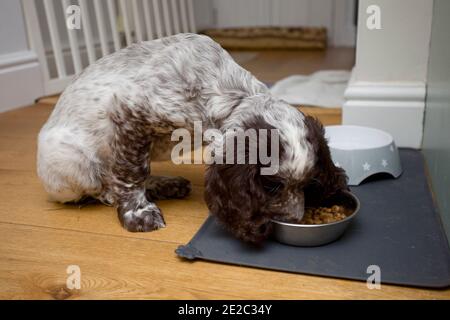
21, 81
395, 107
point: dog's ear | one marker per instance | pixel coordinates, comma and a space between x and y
234, 192
234, 197
327, 178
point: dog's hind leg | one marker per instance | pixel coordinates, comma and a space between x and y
67, 168
162, 187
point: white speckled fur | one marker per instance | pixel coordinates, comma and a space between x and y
175, 81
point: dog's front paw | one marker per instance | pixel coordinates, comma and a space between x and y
147, 218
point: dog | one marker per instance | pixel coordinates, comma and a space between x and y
118, 115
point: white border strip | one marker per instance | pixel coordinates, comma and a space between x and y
395, 107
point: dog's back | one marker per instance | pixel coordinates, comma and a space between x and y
167, 83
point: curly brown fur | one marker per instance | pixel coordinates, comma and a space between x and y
326, 179
236, 193
244, 201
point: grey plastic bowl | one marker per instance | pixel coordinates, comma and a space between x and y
306, 235
363, 152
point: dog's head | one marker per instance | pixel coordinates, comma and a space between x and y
244, 197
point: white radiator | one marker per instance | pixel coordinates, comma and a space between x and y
105, 27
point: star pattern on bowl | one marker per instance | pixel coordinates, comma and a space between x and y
366, 166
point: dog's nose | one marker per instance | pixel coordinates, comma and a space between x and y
292, 207
298, 206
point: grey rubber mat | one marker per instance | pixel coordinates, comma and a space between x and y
397, 229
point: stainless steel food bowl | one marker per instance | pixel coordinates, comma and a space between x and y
306, 235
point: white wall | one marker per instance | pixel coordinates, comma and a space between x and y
20, 75
436, 142
387, 90
399, 51
12, 33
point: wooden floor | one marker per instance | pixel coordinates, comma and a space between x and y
40, 239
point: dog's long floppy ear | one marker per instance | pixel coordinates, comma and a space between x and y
327, 178
235, 194
234, 198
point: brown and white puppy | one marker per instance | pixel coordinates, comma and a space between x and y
119, 114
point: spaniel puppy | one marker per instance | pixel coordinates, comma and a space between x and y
119, 114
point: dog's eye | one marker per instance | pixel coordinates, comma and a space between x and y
315, 182
271, 185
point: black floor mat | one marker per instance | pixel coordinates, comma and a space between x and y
397, 229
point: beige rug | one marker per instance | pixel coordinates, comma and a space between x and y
261, 38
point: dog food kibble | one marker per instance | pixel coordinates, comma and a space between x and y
323, 215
